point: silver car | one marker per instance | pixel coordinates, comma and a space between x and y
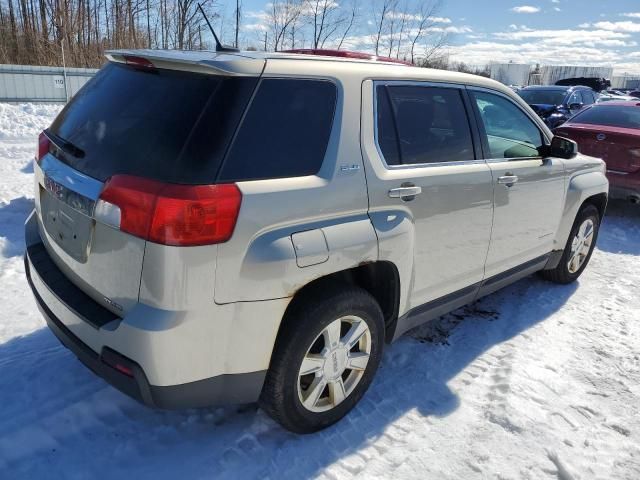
215, 228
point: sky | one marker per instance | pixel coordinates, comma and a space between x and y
565, 32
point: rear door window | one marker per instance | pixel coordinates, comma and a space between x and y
387, 134
576, 97
285, 131
587, 97
430, 125
168, 125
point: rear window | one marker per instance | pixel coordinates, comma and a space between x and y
285, 131
543, 97
426, 125
163, 124
610, 115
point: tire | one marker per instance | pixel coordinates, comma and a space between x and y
564, 273
291, 397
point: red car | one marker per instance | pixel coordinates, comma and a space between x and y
611, 131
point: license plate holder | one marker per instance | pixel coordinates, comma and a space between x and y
69, 227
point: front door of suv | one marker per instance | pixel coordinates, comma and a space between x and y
528, 189
430, 193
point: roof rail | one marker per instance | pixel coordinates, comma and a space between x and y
346, 54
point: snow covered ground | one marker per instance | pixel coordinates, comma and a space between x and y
536, 382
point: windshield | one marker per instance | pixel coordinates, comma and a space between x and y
611, 116
163, 124
543, 97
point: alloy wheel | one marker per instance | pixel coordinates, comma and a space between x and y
334, 364
581, 245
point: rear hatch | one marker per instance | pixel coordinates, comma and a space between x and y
162, 126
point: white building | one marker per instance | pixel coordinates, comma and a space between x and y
510, 73
550, 74
522, 74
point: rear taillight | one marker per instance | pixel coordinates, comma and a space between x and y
170, 214
44, 144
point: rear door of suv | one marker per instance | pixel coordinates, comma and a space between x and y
427, 183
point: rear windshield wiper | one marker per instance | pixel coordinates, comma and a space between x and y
65, 145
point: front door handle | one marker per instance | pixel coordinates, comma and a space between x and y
406, 192
508, 179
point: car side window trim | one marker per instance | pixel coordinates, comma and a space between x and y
473, 127
483, 133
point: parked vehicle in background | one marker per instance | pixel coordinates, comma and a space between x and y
204, 232
608, 97
595, 83
556, 104
635, 93
611, 131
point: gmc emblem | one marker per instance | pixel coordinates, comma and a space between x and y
54, 187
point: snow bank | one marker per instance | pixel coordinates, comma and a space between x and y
24, 121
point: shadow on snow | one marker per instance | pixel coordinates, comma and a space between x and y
620, 232
12, 218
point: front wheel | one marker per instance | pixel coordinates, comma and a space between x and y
324, 360
579, 247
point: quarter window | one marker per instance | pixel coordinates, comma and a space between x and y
418, 125
508, 131
284, 133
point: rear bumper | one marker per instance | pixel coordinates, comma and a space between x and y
219, 390
59, 301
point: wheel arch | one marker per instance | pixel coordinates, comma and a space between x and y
381, 279
592, 188
599, 201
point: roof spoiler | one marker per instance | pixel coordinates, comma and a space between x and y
198, 61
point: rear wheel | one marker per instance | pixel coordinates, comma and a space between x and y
324, 360
579, 247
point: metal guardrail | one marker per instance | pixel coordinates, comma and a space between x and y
29, 83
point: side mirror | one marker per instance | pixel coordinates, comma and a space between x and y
576, 106
560, 148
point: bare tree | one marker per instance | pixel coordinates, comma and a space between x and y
325, 17
381, 17
351, 19
408, 30
33, 31
238, 15
423, 21
282, 17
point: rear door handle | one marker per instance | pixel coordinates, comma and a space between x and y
509, 179
405, 193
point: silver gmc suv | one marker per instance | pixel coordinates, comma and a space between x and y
215, 228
